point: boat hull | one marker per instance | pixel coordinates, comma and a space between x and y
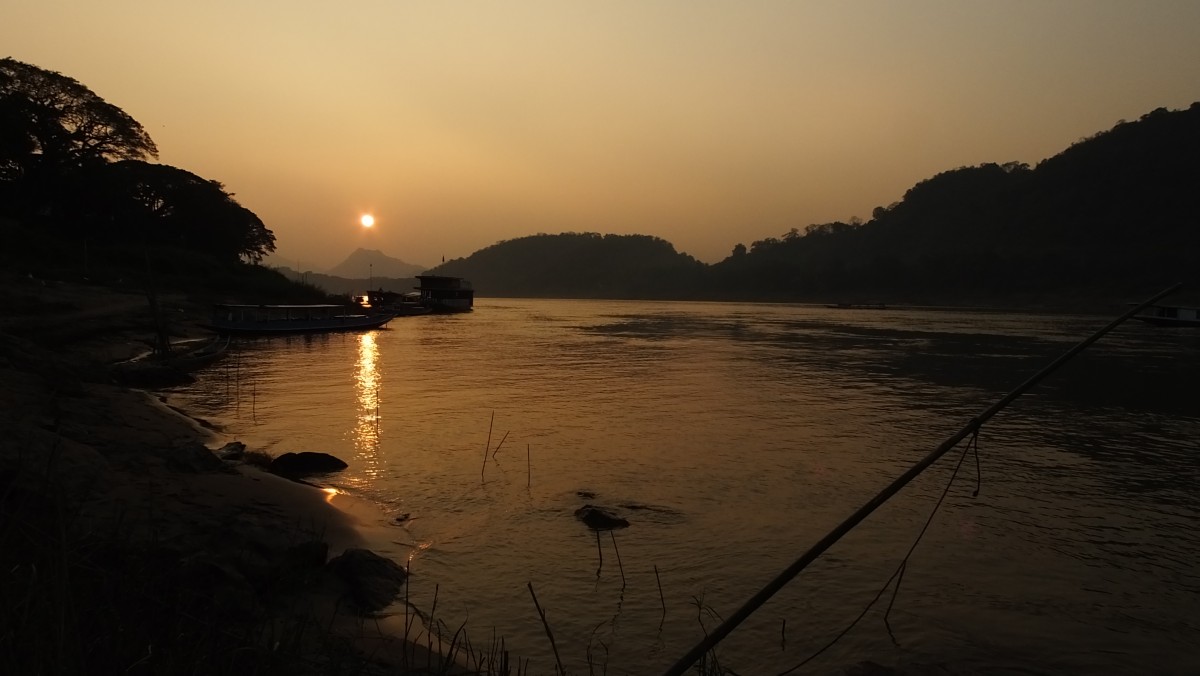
292, 326
1169, 321
1171, 315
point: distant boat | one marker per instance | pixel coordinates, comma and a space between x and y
281, 319
1171, 315
446, 294
857, 306
397, 304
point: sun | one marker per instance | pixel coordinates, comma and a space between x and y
367, 220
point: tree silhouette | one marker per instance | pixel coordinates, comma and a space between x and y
51, 129
53, 121
133, 200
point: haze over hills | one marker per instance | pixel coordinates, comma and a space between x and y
1108, 220
364, 263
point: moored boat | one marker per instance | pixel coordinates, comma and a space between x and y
283, 319
446, 294
159, 370
1171, 315
397, 304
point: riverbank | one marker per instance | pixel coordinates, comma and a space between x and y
129, 546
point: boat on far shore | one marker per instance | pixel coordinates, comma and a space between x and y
233, 319
446, 294
857, 306
1171, 315
397, 304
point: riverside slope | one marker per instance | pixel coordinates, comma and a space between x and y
127, 545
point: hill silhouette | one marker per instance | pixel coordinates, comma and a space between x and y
1107, 220
580, 265
365, 263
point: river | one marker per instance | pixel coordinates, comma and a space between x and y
733, 436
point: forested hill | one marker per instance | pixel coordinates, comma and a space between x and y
581, 265
1106, 220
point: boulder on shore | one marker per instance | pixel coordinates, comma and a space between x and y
306, 463
598, 518
372, 581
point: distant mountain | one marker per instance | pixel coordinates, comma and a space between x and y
348, 286
364, 263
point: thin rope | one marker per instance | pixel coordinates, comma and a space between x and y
787, 574
898, 574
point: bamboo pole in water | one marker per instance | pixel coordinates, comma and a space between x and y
772, 587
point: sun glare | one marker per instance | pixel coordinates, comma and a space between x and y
367, 220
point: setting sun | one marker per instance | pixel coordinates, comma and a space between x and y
367, 220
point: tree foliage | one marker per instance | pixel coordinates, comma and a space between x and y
76, 163
53, 123
165, 205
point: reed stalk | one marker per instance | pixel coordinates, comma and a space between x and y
661, 598
499, 445
599, 553
487, 446
549, 634
620, 566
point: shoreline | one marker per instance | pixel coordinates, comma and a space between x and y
130, 543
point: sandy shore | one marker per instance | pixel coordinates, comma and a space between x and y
111, 498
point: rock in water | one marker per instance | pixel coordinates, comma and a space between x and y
598, 518
294, 465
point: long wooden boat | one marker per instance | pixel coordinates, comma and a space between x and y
157, 370
282, 319
1171, 315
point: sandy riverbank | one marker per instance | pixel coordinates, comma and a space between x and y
128, 546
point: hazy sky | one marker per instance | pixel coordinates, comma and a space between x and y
706, 123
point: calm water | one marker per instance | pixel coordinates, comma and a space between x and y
733, 437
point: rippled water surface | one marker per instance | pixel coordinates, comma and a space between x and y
733, 437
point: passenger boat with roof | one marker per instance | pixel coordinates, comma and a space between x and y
1171, 315
440, 293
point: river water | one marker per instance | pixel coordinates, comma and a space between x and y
733, 437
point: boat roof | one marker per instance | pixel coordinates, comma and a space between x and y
310, 306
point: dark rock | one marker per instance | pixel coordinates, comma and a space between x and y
293, 465
586, 495
372, 581
402, 518
598, 518
233, 450
193, 457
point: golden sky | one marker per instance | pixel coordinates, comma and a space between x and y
704, 122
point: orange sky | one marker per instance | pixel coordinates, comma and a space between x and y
704, 122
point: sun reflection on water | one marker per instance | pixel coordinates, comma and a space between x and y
367, 384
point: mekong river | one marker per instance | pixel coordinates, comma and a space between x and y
733, 437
